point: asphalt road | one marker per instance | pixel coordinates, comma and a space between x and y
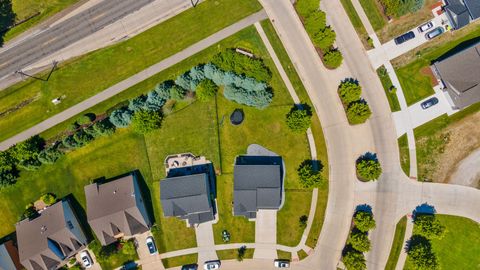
61, 35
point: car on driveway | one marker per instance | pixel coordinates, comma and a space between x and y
281, 263
434, 33
86, 259
212, 265
193, 266
151, 245
429, 103
405, 37
425, 27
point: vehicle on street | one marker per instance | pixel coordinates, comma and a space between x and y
434, 33
211, 265
129, 266
281, 263
429, 103
405, 37
151, 245
86, 259
426, 26
193, 266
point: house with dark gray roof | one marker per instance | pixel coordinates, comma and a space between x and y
49, 240
460, 76
461, 12
257, 184
9, 259
116, 209
189, 197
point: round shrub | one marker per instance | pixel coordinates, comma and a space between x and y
364, 221
354, 260
308, 176
359, 241
333, 59
206, 90
358, 112
177, 92
49, 198
299, 120
121, 118
428, 226
145, 121
49, 155
349, 91
369, 169
104, 127
324, 39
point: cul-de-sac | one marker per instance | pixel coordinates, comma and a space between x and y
240, 134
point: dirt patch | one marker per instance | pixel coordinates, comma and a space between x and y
18, 106
427, 71
448, 147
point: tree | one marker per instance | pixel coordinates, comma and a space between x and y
364, 221
240, 64
7, 18
359, 241
82, 138
206, 90
48, 198
349, 91
49, 155
299, 120
358, 112
306, 7
177, 93
128, 248
28, 149
241, 253
332, 59
29, 212
104, 127
8, 170
324, 38
31, 164
137, 104
121, 117
309, 177
303, 221
144, 121
86, 119
315, 22
369, 169
428, 226
420, 252
258, 99
354, 260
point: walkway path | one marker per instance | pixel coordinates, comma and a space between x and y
127, 83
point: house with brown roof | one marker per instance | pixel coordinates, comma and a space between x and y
116, 209
9, 259
49, 240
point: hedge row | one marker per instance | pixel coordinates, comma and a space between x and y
356, 108
358, 242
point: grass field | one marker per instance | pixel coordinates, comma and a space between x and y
404, 154
180, 260
356, 22
374, 14
81, 78
284, 255
232, 254
302, 254
297, 204
397, 244
113, 261
387, 86
460, 246
415, 85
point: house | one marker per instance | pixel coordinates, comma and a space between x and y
188, 197
461, 12
116, 209
49, 240
460, 76
257, 184
9, 259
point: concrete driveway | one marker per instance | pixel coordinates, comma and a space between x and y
205, 243
95, 265
147, 260
265, 233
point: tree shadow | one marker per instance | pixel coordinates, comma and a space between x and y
317, 165
417, 240
351, 80
7, 18
302, 106
368, 156
81, 216
363, 208
423, 209
459, 48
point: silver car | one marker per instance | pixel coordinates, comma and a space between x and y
434, 33
425, 27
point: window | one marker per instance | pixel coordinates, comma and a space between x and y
70, 225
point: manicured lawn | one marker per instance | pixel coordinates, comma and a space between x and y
94, 72
231, 254
387, 86
26, 8
115, 260
284, 255
374, 14
180, 260
397, 244
356, 22
404, 154
297, 204
460, 246
416, 86
318, 219
302, 254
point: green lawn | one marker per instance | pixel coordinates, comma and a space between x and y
374, 14
297, 204
397, 244
404, 154
115, 260
81, 78
231, 254
27, 8
284, 255
302, 254
180, 260
387, 86
356, 22
460, 246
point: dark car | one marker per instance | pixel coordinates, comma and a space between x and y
405, 37
193, 266
129, 266
434, 33
429, 103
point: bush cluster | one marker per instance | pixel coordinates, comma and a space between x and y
368, 167
422, 257
357, 109
299, 119
358, 242
230, 60
308, 176
397, 8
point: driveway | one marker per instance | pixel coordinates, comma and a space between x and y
265, 233
146, 260
205, 243
95, 265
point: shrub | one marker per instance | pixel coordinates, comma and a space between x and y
364, 221
420, 252
145, 121
177, 92
86, 119
190, 79
28, 149
104, 127
333, 58
49, 198
137, 104
82, 138
241, 253
429, 226
359, 241
299, 120
354, 260
70, 143
91, 131
358, 112
306, 7
349, 91
315, 22
324, 39
121, 118
32, 164
155, 100
258, 99
303, 221
29, 212
230, 60
128, 248
369, 169
163, 90
309, 177
397, 8
49, 155
8, 170
206, 90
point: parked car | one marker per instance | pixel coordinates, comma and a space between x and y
212, 265
86, 259
131, 265
151, 245
434, 33
193, 266
281, 263
405, 37
429, 103
426, 26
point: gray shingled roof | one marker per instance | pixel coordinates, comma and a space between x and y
461, 75
116, 207
457, 14
46, 241
257, 184
474, 8
187, 197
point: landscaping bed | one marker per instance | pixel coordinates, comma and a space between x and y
180, 260
397, 245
